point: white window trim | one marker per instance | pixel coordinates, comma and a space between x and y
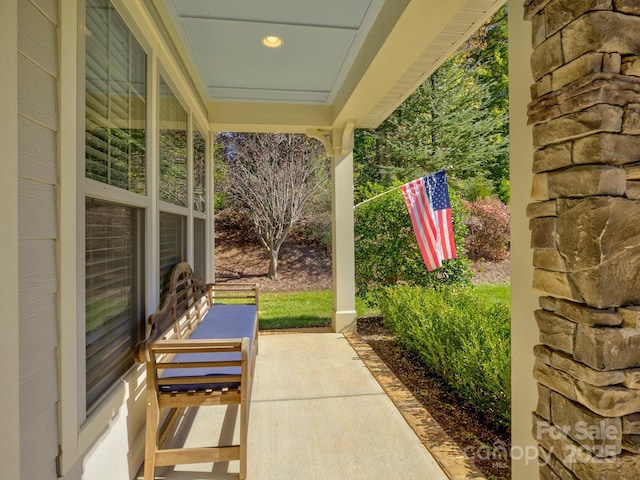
109, 193
209, 226
172, 208
190, 184
152, 219
195, 127
69, 232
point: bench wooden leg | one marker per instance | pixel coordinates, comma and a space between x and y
244, 417
151, 436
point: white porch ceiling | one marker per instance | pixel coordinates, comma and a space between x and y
342, 60
321, 39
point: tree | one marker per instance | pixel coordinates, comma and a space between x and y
485, 55
275, 180
457, 117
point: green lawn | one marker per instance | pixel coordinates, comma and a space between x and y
499, 292
313, 308
301, 309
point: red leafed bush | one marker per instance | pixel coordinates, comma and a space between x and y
488, 229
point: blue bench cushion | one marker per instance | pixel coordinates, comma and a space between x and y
220, 322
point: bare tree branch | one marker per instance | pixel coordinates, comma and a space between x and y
274, 180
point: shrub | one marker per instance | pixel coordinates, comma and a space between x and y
488, 229
473, 188
314, 229
461, 337
386, 250
504, 191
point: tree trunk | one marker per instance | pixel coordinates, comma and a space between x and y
273, 263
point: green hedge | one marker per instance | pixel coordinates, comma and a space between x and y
462, 337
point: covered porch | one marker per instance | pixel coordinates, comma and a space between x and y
366, 61
324, 406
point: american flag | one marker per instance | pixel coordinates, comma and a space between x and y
427, 200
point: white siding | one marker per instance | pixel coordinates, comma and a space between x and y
37, 233
36, 39
34, 151
38, 392
37, 268
37, 210
38, 336
37, 93
37, 448
49, 8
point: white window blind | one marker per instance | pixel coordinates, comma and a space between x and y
114, 314
173, 148
173, 233
115, 100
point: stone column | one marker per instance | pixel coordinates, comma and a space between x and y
585, 225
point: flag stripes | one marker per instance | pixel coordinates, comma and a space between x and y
416, 198
429, 207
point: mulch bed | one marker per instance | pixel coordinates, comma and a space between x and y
474, 433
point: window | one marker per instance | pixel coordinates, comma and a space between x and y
115, 154
114, 313
115, 101
173, 148
199, 175
118, 275
199, 243
172, 246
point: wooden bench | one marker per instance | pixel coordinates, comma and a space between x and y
200, 351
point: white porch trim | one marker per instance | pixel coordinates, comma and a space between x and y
9, 349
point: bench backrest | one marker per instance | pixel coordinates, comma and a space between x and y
187, 303
191, 299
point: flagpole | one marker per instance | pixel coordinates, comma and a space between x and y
447, 168
377, 196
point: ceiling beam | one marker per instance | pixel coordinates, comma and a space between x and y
268, 117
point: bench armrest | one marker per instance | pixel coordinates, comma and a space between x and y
160, 347
195, 365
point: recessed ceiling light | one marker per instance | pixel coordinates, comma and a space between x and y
272, 41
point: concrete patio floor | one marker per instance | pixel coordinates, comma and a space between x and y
317, 412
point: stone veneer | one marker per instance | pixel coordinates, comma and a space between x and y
585, 225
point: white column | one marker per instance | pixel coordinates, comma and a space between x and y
9, 339
524, 332
344, 290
